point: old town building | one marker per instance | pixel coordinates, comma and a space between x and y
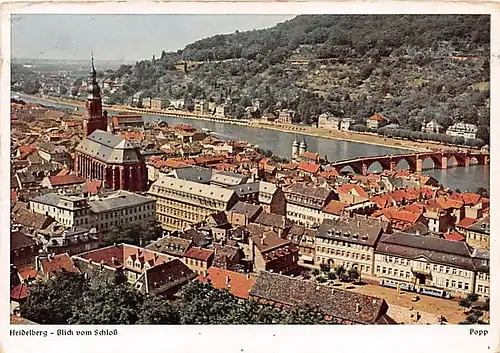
148, 271
426, 261
104, 156
182, 203
104, 212
112, 159
305, 203
348, 242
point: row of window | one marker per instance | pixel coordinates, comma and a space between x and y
427, 266
344, 253
483, 289
393, 272
191, 198
483, 276
302, 216
304, 200
345, 264
342, 243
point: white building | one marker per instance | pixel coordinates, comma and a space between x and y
345, 124
467, 131
100, 212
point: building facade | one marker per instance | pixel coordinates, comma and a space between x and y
304, 203
467, 131
348, 242
102, 212
182, 203
112, 159
426, 261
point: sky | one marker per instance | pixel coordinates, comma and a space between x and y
124, 38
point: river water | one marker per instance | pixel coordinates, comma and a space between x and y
280, 143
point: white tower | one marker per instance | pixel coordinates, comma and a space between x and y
302, 147
295, 148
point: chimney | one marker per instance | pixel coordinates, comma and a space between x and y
358, 309
113, 259
227, 280
248, 275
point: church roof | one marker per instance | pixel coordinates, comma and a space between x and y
109, 148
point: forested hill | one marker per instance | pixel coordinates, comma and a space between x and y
410, 68
334, 36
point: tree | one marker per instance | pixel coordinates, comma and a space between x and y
315, 272
157, 311
52, 301
324, 267
353, 274
107, 303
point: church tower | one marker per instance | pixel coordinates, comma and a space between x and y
94, 118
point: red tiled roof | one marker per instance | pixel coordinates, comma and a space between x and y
330, 173
310, 155
57, 263
335, 207
199, 253
94, 186
456, 236
377, 117
312, 168
19, 292
65, 180
466, 222
238, 284
105, 255
414, 208
382, 201
13, 196
348, 188
290, 166
27, 272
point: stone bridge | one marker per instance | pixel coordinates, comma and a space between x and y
415, 160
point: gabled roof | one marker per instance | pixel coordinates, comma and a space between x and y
308, 167
60, 180
57, 263
237, 284
109, 148
199, 253
352, 189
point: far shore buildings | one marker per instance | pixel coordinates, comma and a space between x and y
104, 156
467, 131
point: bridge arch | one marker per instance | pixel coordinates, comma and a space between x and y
431, 162
377, 166
350, 168
404, 164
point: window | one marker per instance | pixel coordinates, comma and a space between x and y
384, 270
453, 283
466, 286
447, 282
440, 268
395, 272
434, 267
389, 271
407, 274
378, 268
459, 285
454, 271
486, 289
479, 288
368, 257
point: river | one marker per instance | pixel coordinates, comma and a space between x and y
280, 143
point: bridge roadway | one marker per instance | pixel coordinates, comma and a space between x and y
181, 114
415, 160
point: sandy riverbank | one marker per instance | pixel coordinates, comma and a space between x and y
349, 136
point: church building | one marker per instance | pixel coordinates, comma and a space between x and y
104, 156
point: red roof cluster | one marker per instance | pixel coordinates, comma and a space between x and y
199, 253
58, 180
237, 284
308, 167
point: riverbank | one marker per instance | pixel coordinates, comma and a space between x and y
348, 136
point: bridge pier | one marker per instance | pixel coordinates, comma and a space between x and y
467, 161
392, 165
364, 169
418, 165
444, 162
